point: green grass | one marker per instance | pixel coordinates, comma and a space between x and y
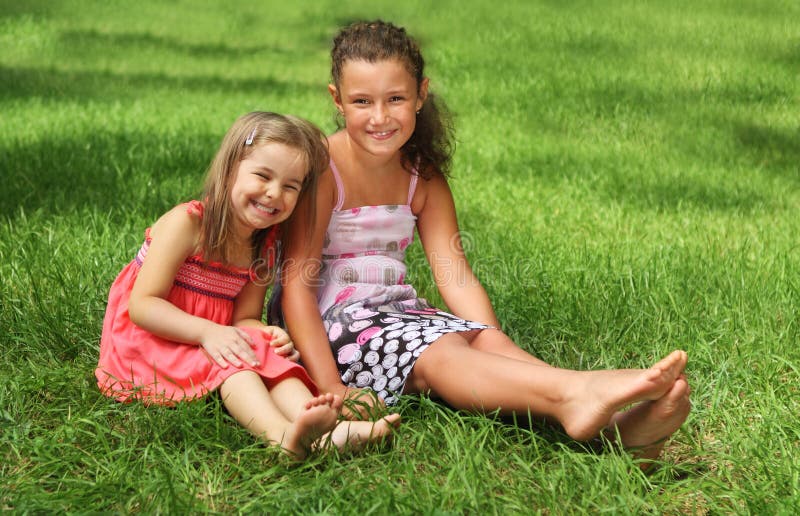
628, 182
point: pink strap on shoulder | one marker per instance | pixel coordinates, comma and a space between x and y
412, 187
195, 208
339, 187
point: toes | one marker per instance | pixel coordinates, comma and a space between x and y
676, 360
393, 420
323, 399
679, 389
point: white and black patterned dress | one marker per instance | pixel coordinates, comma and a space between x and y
376, 324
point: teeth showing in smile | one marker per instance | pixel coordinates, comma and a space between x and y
261, 207
382, 134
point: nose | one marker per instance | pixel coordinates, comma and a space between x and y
380, 113
272, 189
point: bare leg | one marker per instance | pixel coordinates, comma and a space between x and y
250, 403
646, 427
495, 341
582, 401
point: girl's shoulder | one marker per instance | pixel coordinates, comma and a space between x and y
337, 137
327, 190
340, 148
431, 191
180, 225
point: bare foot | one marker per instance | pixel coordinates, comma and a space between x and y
318, 418
645, 428
353, 436
597, 395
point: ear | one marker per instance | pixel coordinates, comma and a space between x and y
423, 93
335, 96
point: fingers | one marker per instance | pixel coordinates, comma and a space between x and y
231, 348
245, 352
278, 335
279, 338
281, 344
234, 355
235, 346
244, 335
288, 351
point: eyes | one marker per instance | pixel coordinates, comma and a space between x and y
290, 186
394, 99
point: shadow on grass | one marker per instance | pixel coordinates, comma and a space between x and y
628, 181
11, 8
687, 190
107, 171
776, 150
658, 148
22, 82
93, 42
523, 430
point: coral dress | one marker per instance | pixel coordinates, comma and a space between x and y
135, 364
377, 325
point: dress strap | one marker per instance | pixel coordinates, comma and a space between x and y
412, 186
195, 208
339, 187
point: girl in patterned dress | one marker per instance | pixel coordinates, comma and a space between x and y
361, 328
184, 317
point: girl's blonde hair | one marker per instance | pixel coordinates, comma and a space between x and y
246, 134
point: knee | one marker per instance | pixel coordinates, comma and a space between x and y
490, 339
238, 381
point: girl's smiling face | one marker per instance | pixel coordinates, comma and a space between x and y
379, 102
266, 187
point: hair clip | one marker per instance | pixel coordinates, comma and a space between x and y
249, 140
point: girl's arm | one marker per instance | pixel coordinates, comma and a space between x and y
299, 277
299, 300
174, 238
438, 231
248, 306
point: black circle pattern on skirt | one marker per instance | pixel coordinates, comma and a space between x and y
376, 347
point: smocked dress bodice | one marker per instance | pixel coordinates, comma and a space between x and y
135, 364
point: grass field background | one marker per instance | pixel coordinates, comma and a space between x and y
628, 182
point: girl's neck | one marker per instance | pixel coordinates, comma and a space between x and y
369, 180
241, 248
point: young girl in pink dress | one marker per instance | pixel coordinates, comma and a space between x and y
361, 328
184, 317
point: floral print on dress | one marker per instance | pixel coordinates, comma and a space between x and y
377, 325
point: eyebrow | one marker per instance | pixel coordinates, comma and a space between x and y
396, 91
358, 94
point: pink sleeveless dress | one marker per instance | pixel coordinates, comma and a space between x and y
377, 325
134, 364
